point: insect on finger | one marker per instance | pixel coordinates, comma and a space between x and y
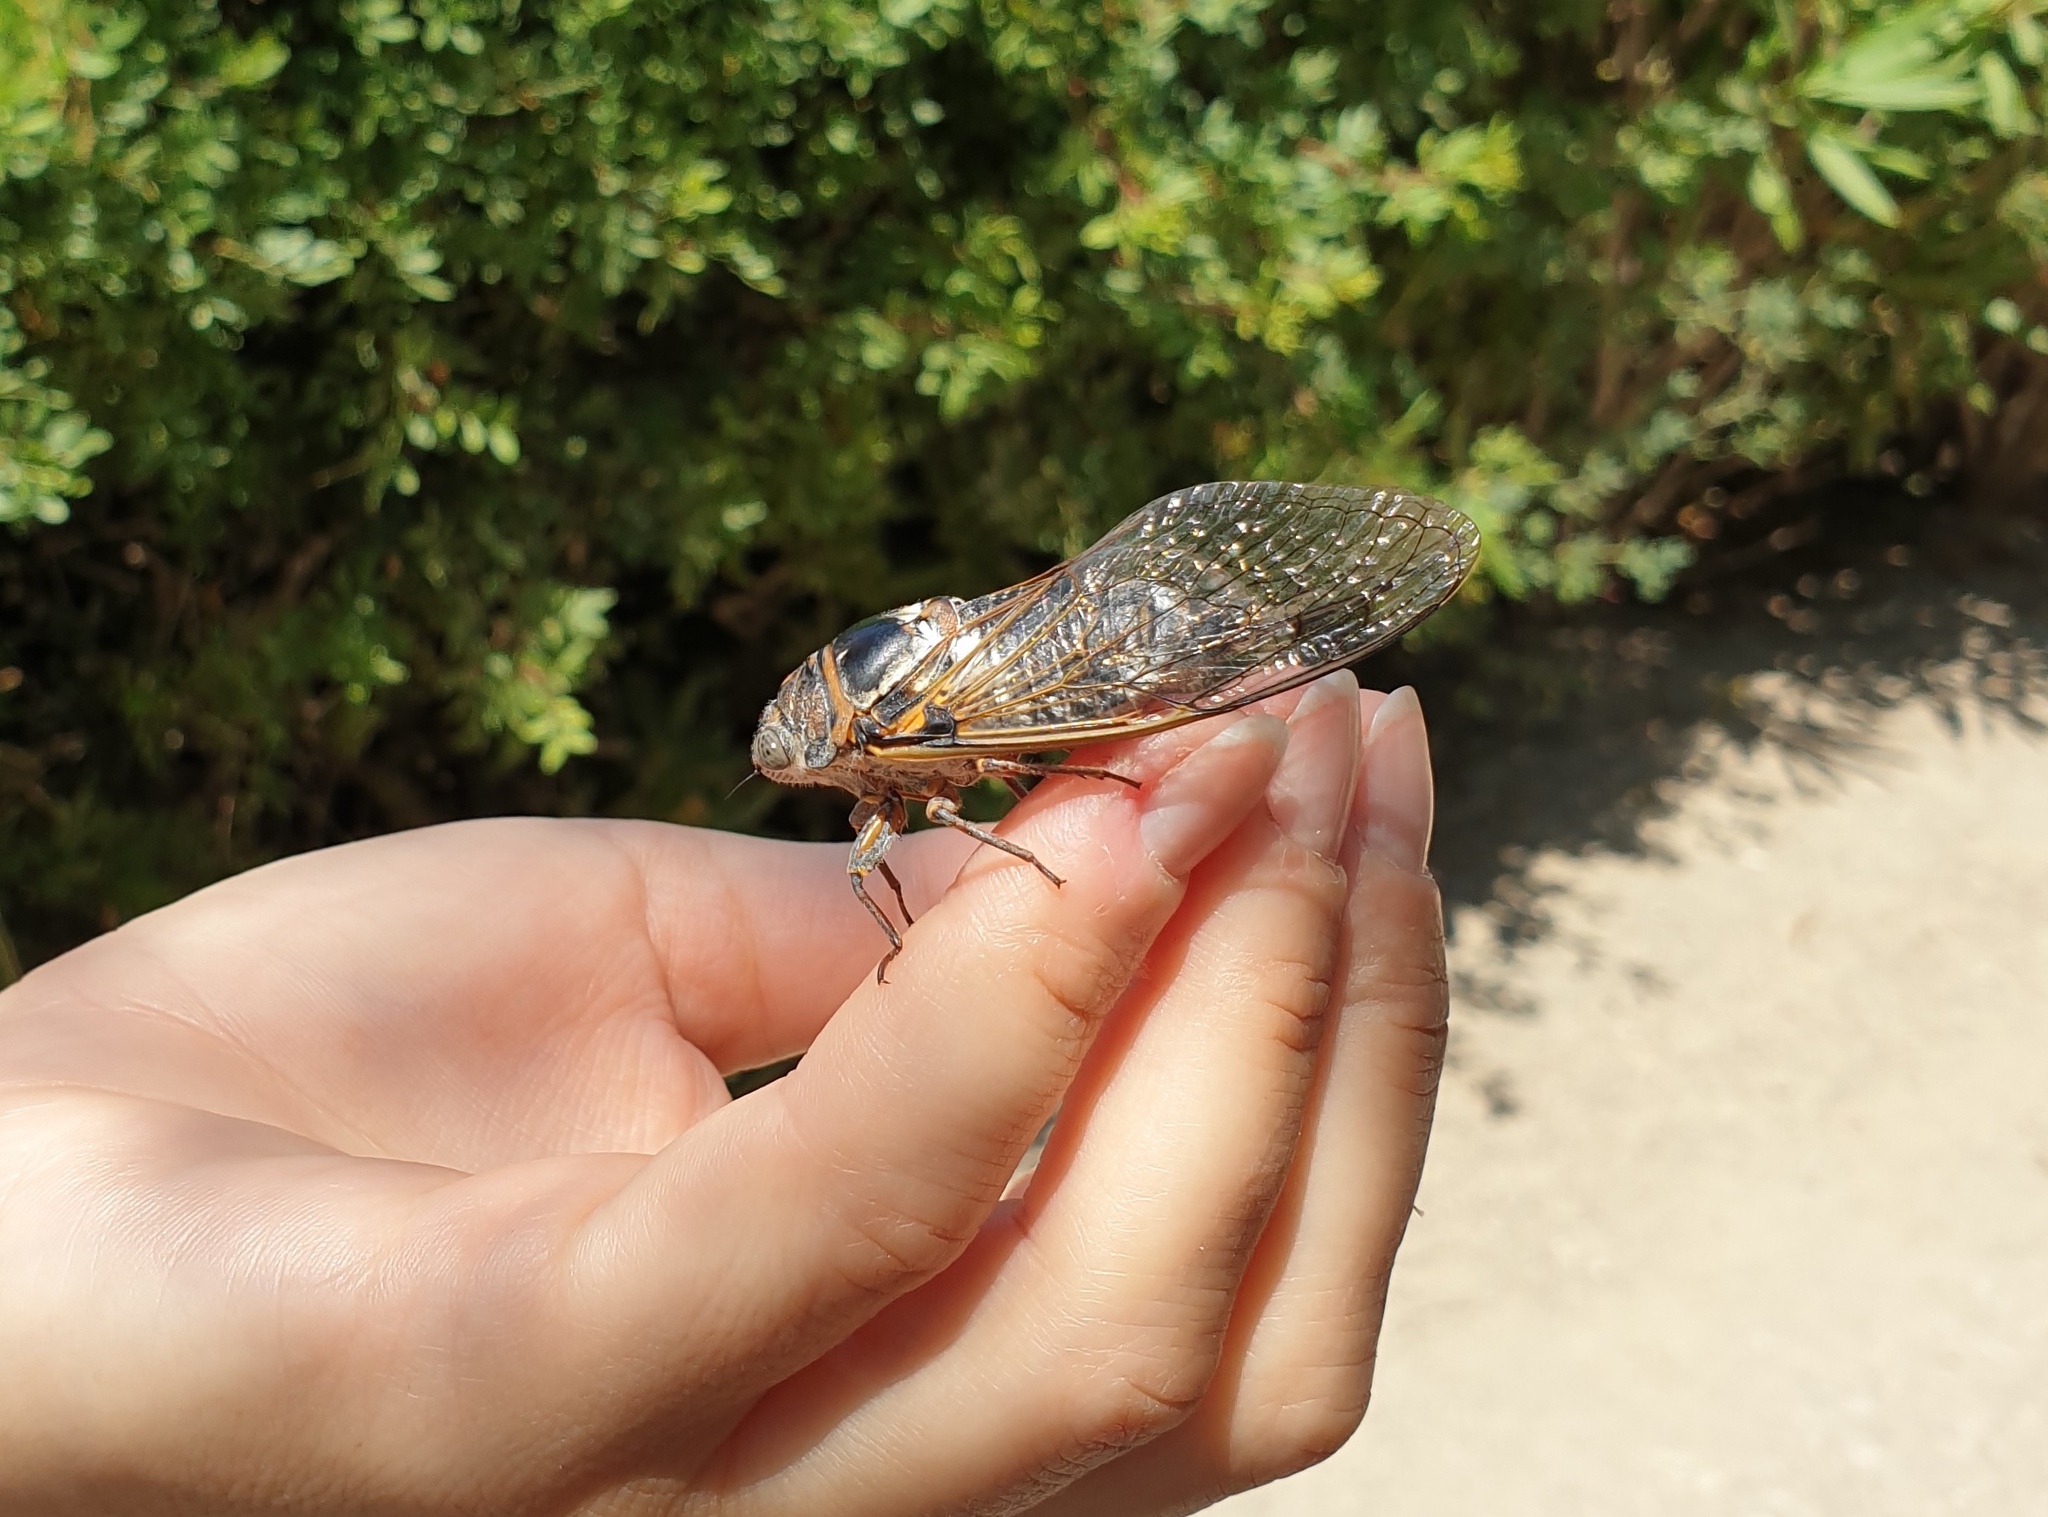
1201, 602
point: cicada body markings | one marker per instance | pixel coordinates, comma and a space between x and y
1205, 600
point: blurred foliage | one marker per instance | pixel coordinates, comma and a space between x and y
411, 408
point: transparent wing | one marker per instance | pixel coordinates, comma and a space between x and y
1206, 599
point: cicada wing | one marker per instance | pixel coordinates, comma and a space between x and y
1202, 601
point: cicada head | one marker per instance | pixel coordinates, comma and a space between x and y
793, 742
810, 735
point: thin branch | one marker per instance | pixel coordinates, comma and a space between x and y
348, 468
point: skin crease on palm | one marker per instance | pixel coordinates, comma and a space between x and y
401, 1178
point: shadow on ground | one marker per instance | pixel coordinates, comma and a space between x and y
1569, 731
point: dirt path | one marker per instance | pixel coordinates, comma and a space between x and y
1738, 1202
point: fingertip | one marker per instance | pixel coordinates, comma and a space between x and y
1311, 794
1399, 705
1195, 804
1399, 790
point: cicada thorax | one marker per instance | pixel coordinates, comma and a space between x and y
876, 673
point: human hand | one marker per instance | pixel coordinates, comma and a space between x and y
401, 1177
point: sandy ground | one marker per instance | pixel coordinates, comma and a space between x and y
1738, 1199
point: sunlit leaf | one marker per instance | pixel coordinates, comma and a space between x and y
1898, 65
1895, 160
1934, 90
1846, 172
253, 62
1771, 194
2005, 105
2029, 41
294, 253
2002, 315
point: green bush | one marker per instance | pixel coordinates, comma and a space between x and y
415, 407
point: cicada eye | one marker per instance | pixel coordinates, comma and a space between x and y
774, 746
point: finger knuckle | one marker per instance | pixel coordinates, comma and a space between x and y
1398, 964
1079, 975
1315, 1413
902, 1231
1412, 974
886, 1253
1296, 991
1417, 1017
1421, 1070
1136, 1398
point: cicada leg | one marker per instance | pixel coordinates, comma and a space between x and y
1010, 770
896, 886
945, 811
879, 822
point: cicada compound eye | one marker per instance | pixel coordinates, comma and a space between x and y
775, 746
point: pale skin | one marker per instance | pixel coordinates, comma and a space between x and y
400, 1178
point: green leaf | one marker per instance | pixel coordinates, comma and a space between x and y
2024, 208
1651, 564
1896, 160
529, 693
1314, 72
92, 62
2005, 106
292, 253
1486, 158
1931, 91
1844, 169
882, 344
1770, 193
2029, 43
1899, 65
253, 62
2002, 315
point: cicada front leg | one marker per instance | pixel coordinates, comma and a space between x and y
945, 810
878, 822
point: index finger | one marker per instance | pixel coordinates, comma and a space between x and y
867, 1170
760, 941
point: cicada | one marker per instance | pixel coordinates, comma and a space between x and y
1203, 601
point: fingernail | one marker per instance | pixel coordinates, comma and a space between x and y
1310, 796
1193, 806
1399, 793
